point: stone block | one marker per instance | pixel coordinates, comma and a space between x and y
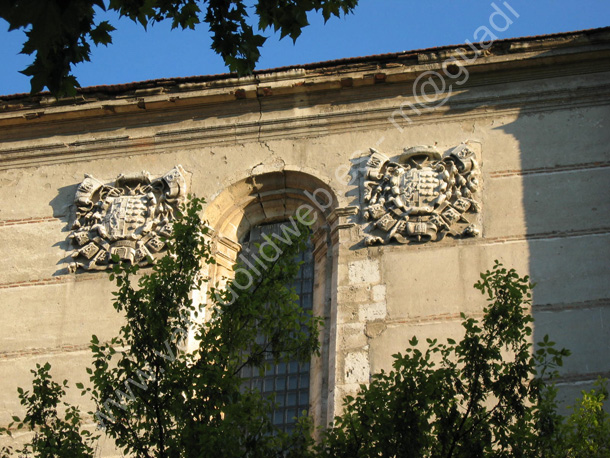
348, 313
438, 281
395, 339
356, 367
365, 271
33, 251
570, 269
542, 138
69, 365
353, 294
375, 328
51, 316
352, 336
373, 312
583, 331
378, 293
275, 209
546, 203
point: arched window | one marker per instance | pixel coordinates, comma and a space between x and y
236, 217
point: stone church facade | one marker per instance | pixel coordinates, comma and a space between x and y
420, 169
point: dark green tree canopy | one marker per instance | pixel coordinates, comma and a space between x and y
60, 32
154, 398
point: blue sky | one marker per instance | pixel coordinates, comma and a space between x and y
376, 27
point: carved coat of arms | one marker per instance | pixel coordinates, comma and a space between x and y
422, 196
128, 219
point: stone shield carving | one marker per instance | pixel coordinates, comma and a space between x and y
129, 219
422, 196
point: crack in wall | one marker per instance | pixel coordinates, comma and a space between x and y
266, 145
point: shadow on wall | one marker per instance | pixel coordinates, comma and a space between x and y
564, 163
62, 205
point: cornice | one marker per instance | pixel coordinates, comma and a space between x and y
292, 127
263, 107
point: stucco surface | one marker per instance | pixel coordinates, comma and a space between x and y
537, 124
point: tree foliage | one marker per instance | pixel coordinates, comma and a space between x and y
60, 32
586, 432
56, 436
487, 395
153, 397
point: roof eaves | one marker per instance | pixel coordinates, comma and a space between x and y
113, 89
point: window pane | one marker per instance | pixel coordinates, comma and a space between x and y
291, 399
290, 415
278, 417
269, 385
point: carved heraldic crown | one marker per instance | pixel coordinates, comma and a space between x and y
422, 196
128, 220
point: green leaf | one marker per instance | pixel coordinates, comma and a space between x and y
101, 33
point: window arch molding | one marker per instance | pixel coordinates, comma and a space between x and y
271, 198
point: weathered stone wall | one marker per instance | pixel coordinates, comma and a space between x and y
535, 114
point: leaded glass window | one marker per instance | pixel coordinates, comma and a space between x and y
287, 381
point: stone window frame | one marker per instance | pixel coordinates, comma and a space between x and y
275, 197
